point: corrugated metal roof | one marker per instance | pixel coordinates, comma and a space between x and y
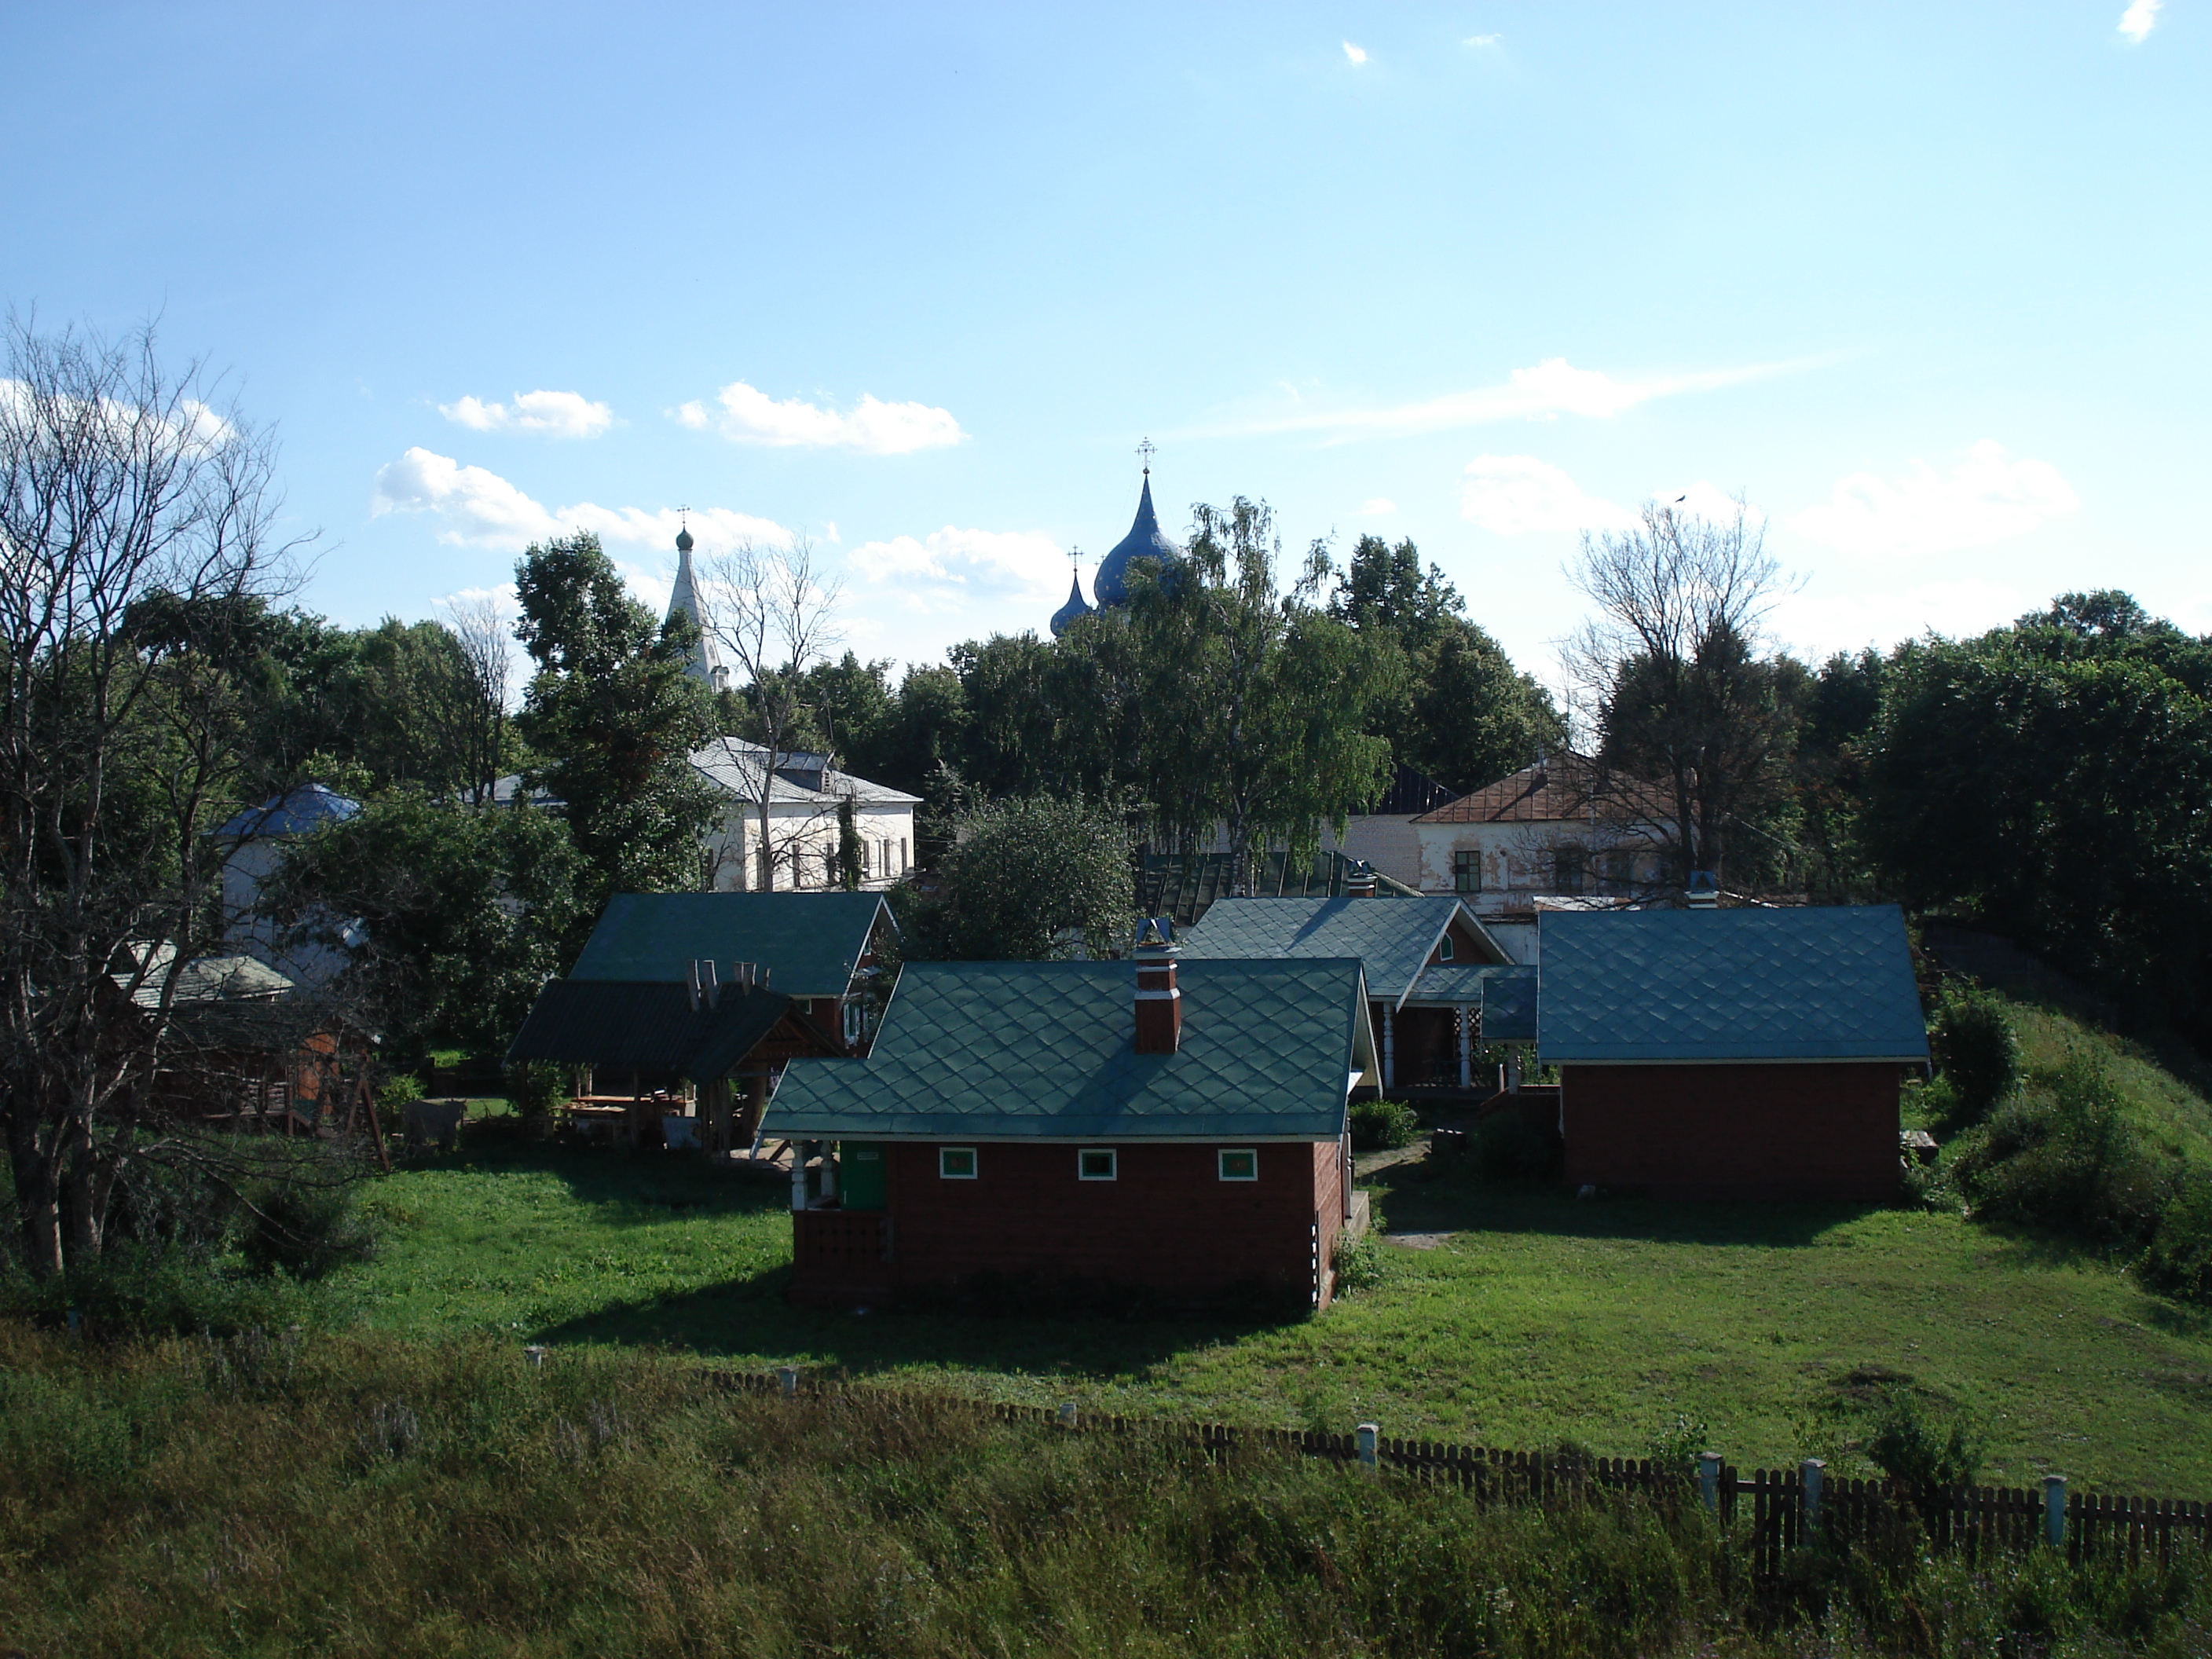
1045, 1050
1827, 982
1508, 1004
1392, 941
736, 766
299, 811
809, 943
653, 1027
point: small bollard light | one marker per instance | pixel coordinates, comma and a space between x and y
1068, 1414
787, 1377
1810, 1473
2054, 1511
1709, 1479
1365, 1436
535, 1354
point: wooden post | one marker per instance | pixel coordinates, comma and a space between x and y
631, 1119
1389, 1050
375, 1128
1461, 1018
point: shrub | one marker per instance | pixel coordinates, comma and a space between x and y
1377, 1125
2180, 1259
1678, 1445
534, 1087
1909, 1440
1357, 1262
2071, 1164
1975, 1049
1507, 1148
307, 1225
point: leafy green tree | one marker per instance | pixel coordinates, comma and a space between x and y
1032, 879
466, 911
615, 716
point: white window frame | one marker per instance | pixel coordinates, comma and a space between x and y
852, 1022
1444, 948
1112, 1155
1221, 1163
944, 1174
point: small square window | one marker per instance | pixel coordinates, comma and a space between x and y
955, 1163
1467, 872
1241, 1164
1095, 1164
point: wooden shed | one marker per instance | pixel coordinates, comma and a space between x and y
1742, 1054
1174, 1129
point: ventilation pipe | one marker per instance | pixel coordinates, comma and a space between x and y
1159, 999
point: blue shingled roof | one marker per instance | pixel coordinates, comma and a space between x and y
1046, 1050
299, 811
1392, 939
809, 943
1819, 983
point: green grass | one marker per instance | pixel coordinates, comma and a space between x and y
1535, 1320
2161, 1085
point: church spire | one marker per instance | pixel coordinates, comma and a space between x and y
706, 662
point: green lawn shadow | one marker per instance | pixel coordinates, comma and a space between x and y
637, 1187
1419, 1198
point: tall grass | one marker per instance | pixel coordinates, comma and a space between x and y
345, 1496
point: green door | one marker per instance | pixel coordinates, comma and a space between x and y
864, 1175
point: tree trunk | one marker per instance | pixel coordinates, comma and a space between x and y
36, 1202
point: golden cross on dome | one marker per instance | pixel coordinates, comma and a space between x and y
1147, 452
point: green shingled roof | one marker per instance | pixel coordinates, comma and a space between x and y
1392, 939
1045, 1050
617, 1023
1825, 982
809, 943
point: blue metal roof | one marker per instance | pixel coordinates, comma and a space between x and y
1508, 1004
299, 811
1046, 1051
1393, 940
1109, 585
1818, 983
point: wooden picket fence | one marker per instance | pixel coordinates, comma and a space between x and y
1769, 1503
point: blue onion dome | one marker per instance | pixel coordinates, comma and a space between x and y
1110, 585
1073, 611
684, 540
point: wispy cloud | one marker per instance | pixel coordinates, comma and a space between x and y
1987, 497
1482, 40
2139, 19
476, 507
555, 413
1511, 494
1357, 54
745, 415
1382, 506
952, 568
1545, 391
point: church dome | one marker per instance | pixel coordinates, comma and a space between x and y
1110, 585
682, 541
1073, 611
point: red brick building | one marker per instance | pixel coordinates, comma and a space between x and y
1175, 1131
1745, 1054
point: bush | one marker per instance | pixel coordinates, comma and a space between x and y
2070, 1164
1975, 1049
1378, 1124
2180, 1259
1507, 1148
1925, 1445
1357, 1262
305, 1225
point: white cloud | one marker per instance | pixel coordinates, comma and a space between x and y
1482, 40
556, 414
875, 428
1357, 54
2140, 18
1545, 391
1513, 494
482, 509
1988, 497
950, 567
1380, 507
1819, 623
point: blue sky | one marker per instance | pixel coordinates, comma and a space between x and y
1927, 283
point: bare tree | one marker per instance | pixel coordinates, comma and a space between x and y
1669, 670
135, 539
773, 611
488, 649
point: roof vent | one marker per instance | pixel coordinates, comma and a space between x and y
1359, 881
1704, 892
1159, 999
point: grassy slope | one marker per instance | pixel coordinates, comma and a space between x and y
2163, 1090
1538, 1318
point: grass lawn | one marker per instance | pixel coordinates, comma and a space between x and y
1529, 1319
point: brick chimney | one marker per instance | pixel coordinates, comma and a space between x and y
1359, 881
1159, 1001
1704, 892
